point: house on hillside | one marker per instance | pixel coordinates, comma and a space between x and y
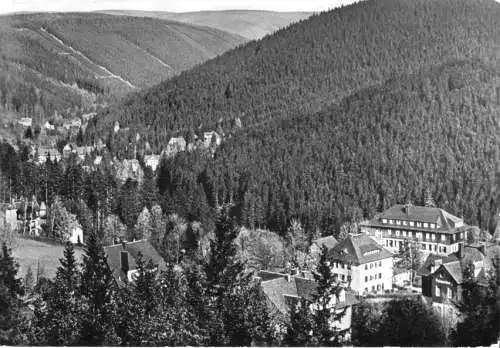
25, 121
83, 151
362, 264
44, 153
122, 259
436, 230
316, 246
48, 126
442, 275
174, 146
8, 216
152, 161
211, 137
283, 291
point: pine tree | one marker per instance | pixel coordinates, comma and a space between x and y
96, 290
409, 257
300, 330
323, 314
234, 317
59, 322
11, 320
29, 279
143, 228
479, 308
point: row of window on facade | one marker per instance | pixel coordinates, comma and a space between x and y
426, 236
428, 247
377, 287
373, 277
410, 223
373, 265
338, 264
446, 293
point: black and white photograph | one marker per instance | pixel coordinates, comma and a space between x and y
250, 173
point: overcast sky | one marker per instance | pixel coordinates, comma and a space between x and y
7, 6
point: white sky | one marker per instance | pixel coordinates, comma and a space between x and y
7, 6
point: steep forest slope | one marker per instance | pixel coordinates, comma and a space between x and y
49, 61
315, 63
435, 131
247, 23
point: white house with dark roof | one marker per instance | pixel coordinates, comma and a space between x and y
436, 230
152, 161
283, 291
44, 153
362, 264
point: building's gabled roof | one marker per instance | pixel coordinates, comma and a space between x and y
330, 242
359, 249
282, 290
445, 222
455, 270
113, 256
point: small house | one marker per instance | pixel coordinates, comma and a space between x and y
122, 259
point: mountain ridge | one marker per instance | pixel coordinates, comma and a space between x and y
251, 24
314, 63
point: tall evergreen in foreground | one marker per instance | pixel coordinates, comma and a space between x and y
11, 318
238, 314
479, 309
59, 322
96, 290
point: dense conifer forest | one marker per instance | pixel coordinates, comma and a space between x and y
315, 63
434, 131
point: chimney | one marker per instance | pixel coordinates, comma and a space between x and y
124, 261
482, 248
460, 250
407, 208
436, 265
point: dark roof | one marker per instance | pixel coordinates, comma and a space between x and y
283, 289
455, 270
359, 249
446, 221
113, 255
454, 263
330, 242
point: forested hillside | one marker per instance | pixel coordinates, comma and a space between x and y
435, 131
53, 61
315, 63
250, 24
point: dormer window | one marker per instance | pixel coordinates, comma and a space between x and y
398, 222
418, 224
384, 221
391, 222
405, 223
433, 225
412, 223
426, 225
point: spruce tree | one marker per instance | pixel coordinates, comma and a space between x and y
96, 290
323, 314
59, 322
479, 309
11, 320
300, 329
234, 316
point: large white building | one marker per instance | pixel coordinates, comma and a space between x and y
363, 264
436, 230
